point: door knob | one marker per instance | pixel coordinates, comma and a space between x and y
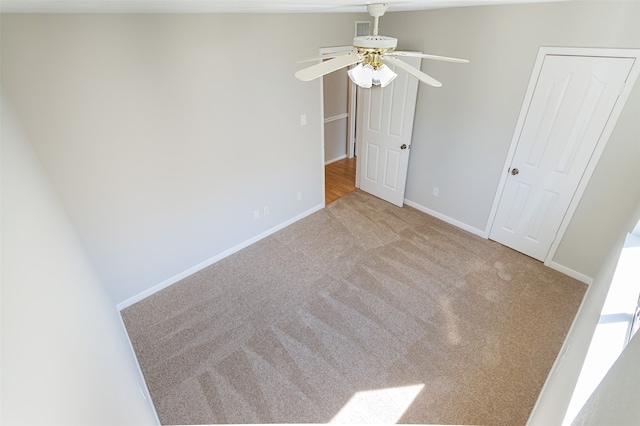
403, 146
515, 171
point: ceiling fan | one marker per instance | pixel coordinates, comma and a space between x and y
371, 53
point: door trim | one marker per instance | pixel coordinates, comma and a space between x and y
602, 142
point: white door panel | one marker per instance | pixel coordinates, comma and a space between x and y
385, 124
571, 104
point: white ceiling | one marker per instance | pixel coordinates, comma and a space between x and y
234, 6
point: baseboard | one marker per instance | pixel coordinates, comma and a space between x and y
142, 384
444, 218
342, 157
166, 283
553, 265
570, 272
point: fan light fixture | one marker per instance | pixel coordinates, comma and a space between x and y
364, 75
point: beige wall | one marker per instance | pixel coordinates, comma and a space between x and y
463, 130
163, 133
65, 355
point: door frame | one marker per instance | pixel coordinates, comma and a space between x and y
600, 146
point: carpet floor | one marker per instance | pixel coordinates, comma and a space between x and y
360, 312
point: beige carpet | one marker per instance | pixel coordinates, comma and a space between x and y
359, 302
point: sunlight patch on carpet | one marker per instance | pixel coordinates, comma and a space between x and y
378, 406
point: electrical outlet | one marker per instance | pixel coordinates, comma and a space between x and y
299, 196
265, 210
436, 191
303, 119
256, 215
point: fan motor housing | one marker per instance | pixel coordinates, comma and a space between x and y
376, 42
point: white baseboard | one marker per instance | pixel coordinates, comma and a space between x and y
570, 272
142, 384
326, 163
166, 283
553, 265
447, 219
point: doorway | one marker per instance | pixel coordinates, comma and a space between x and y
339, 110
384, 119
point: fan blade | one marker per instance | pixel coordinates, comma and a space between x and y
413, 71
327, 67
325, 56
427, 56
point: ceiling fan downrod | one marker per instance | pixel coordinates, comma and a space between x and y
376, 10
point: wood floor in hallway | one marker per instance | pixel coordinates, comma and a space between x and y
340, 179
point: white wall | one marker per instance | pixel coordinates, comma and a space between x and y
556, 394
615, 401
163, 133
463, 130
65, 356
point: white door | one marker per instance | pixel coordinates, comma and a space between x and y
570, 106
385, 124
